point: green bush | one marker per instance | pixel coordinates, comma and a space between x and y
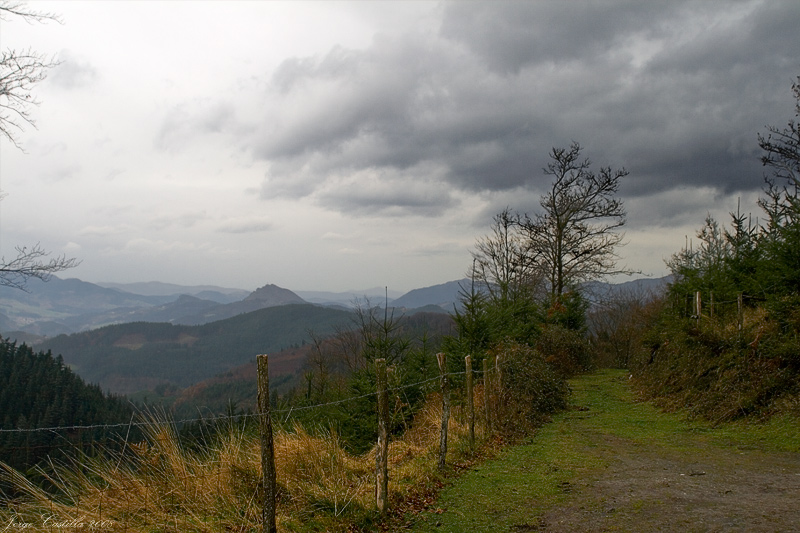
565, 349
530, 388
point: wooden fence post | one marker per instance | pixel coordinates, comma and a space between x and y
267, 448
739, 312
487, 402
698, 307
497, 385
442, 360
470, 400
382, 451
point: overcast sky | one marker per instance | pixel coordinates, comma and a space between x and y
347, 145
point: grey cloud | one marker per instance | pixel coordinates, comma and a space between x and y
511, 35
399, 196
64, 173
185, 220
674, 91
245, 226
185, 123
71, 72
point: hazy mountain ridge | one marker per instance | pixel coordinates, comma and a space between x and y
444, 295
70, 306
349, 299
128, 357
223, 295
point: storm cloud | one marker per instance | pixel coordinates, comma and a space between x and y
674, 91
245, 143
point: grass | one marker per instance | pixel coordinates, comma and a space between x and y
158, 485
512, 491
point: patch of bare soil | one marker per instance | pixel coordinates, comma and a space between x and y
703, 489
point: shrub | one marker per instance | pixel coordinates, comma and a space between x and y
565, 349
530, 388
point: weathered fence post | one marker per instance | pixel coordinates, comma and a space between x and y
497, 386
382, 451
442, 360
487, 402
739, 312
698, 307
711, 305
470, 400
267, 448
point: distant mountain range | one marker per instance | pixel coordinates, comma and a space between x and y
170, 337
71, 305
348, 299
156, 288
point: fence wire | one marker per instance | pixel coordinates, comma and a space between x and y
215, 418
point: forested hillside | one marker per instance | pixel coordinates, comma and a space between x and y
38, 390
127, 358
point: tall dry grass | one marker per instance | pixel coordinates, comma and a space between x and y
158, 485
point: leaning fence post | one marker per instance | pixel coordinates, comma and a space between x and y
267, 448
382, 451
470, 400
442, 360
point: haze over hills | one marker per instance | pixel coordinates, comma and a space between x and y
214, 293
444, 295
135, 356
175, 341
71, 305
348, 299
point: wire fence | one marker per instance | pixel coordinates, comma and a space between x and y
114, 481
227, 417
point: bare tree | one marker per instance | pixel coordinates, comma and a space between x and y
20, 71
502, 263
576, 236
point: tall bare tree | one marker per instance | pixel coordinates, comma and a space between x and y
20, 71
575, 238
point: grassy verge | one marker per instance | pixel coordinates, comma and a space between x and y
512, 491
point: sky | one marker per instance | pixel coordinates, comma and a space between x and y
348, 145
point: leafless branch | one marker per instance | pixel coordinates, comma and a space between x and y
20, 71
20, 9
32, 263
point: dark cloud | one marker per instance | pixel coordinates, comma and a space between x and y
511, 35
676, 92
398, 195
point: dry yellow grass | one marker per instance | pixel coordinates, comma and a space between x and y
157, 485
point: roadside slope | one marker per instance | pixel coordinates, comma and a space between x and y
613, 464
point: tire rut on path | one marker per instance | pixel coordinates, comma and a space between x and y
613, 464
706, 489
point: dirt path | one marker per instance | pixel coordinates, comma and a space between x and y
612, 464
705, 489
